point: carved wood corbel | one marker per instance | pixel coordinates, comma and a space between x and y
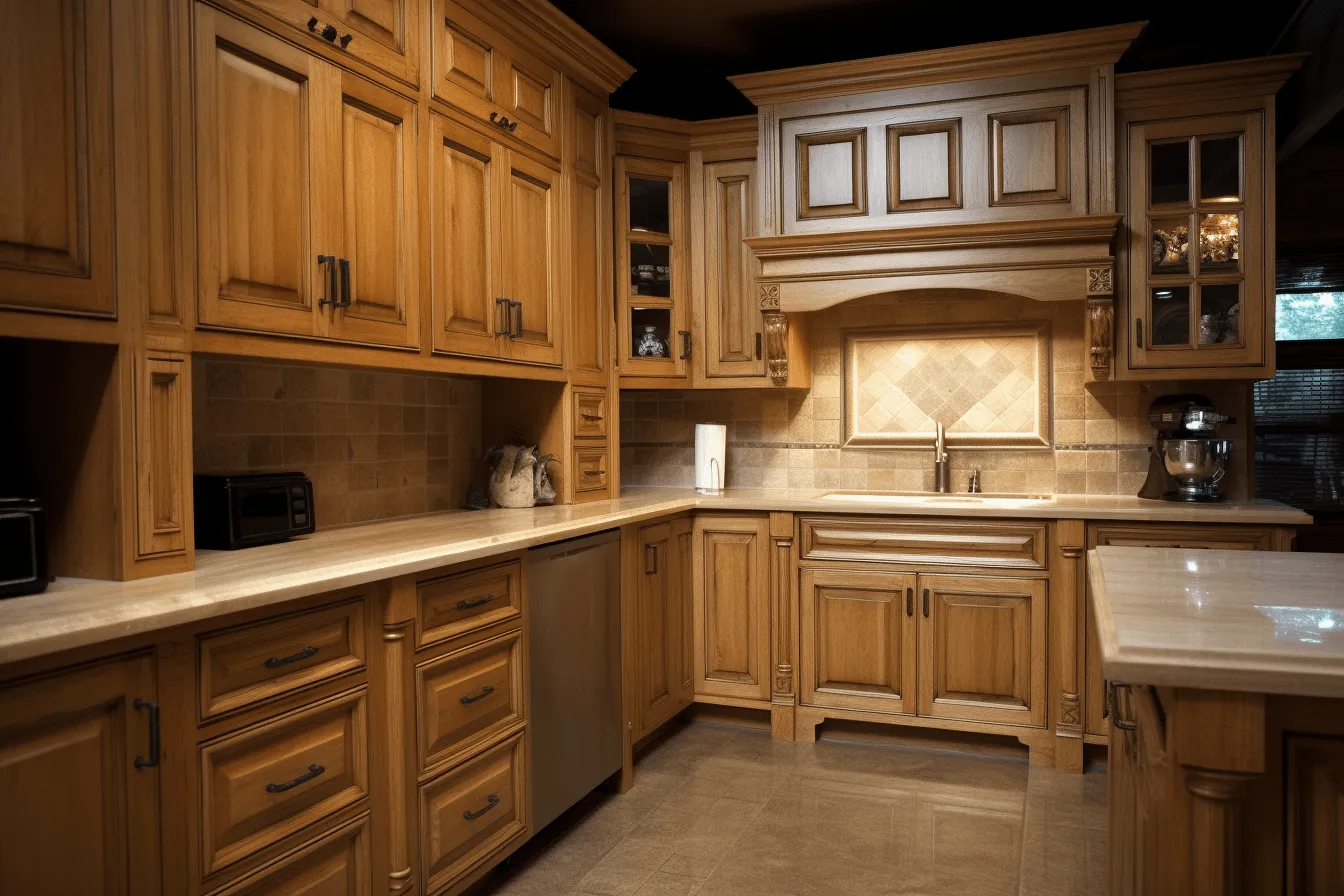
776, 329
1100, 321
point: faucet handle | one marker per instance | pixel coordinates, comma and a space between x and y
973, 485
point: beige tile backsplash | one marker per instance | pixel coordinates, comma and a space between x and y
793, 439
376, 445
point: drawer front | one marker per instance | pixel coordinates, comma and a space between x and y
590, 469
590, 414
484, 74
248, 665
470, 813
1223, 538
264, 783
885, 540
455, 604
336, 865
467, 697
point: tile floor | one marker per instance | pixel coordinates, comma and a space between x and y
725, 811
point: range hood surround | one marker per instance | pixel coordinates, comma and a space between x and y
1065, 259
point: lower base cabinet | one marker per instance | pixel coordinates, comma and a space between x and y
657, 575
79, 782
731, 568
336, 865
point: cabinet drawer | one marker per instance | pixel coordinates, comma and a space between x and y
590, 414
253, 663
885, 540
264, 783
469, 696
385, 35
471, 812
486, 75
462, 602
590, 469
336, 865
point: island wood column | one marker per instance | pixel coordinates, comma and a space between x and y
1068, 603
783, 626
391, 748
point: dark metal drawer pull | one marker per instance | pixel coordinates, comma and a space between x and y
491, 802
473, 604
153, 760
926, 603
313, 771
276, 662
909, 601
594, 472
486, 691
593, 417
1117, 719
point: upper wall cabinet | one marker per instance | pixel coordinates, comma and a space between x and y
56, 225
589, 161
1197, 152
306, 185
483, 73
734, 328
382, 33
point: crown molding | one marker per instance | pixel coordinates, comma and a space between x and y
1023, 56
1046, 260
579, 53
635, 129
1259, 77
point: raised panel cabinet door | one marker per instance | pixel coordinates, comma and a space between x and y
162, 447
732, 606
465, 188
1315, 796
382, 33
76, 814
982, 648
56, 226
531, 256
656, 611
376, 231
858, 639
682, 593
589, 236
264, 112
733, 325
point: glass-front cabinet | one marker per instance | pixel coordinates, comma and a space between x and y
654, 327
1197, 280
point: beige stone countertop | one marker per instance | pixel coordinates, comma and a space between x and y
1260, 622
75, 612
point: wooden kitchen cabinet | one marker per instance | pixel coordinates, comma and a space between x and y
590, 295
662, 633
653, 318
858, 645
982, 648
382, 33
733, 325
306, 192
57, 229
495, 244
732, 607
81, 784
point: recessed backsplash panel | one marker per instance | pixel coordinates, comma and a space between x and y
989, 387
376, 445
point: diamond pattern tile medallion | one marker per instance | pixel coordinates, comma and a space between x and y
988, 387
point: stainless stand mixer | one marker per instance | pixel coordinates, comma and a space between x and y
1186, 463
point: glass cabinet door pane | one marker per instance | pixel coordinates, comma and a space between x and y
1219, 242
650, 270
1170, 245
1169, 173
1171, 315
651, 333
1220, 314
1220, 169
649, 205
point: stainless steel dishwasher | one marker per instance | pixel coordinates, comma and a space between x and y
573, 592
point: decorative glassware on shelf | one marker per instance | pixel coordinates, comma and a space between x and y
1220, 314
649, 345
1171, 245
650, 333
650, 270
1219, 241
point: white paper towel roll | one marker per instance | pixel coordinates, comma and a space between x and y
711, 450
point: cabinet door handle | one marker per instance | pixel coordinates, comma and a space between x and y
1113, 701
909, 601
345, 283
313, 771
276, 662
501, 308
490, 802
594, 473
473, 604
515, 329
592, 418
926, 603
332, 297
486, 691
153, 760
650, 559
328, 33
345, 40
1138, 332
758, 346
685, 344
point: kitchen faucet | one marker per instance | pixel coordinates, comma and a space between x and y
941, 477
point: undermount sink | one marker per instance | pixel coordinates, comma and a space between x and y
935, 500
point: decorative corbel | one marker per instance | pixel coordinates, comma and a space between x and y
1100, 321
776, 327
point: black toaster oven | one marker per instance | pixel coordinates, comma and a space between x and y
247, 509
23, 547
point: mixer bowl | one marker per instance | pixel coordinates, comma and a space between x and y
1196, 462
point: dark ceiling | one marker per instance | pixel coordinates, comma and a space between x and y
683, 49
